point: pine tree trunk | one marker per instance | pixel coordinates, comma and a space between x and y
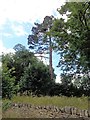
50, 59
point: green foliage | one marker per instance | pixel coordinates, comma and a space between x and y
31, 74
6, 105
24, 73
7, 78
36, 78
22, 59
73, 44
73, 37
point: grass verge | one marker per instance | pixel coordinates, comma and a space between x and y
81, 103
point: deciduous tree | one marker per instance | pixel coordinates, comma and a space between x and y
73, 37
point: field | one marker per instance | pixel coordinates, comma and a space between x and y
81, 103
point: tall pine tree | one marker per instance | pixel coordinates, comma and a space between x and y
41, 40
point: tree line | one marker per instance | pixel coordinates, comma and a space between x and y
24, 74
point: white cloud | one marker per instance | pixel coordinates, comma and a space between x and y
23, 11
5, 50
7, 34
18, 30
27, 10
